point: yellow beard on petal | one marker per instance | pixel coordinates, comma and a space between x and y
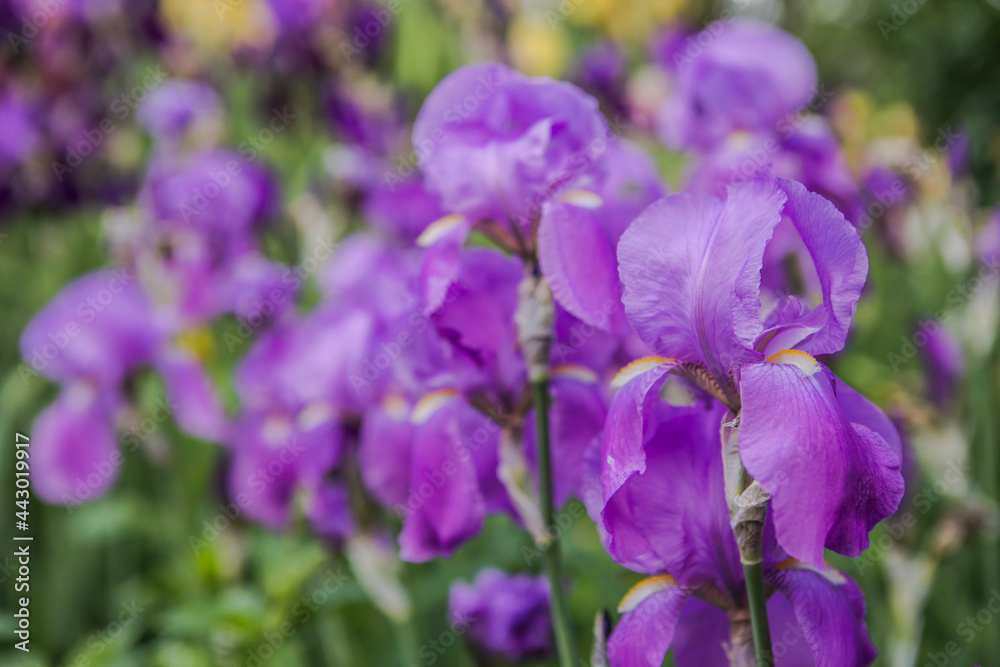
804, 361
642, 590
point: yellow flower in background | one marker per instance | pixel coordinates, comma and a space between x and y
198, 341
538, 46
622, 20
221, 25
895, 120
850, 114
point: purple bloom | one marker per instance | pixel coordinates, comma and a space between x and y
174, 107
601, 72
497, 145
90, 338
505, 614
672, 521
198, 255
576, 237
691, 267
295, 394
299, 14
531, 164
96, 329
738, 75
945, 361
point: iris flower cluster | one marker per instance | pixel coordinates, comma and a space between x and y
464, 357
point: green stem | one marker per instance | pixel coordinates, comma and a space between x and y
757, 600
553, 566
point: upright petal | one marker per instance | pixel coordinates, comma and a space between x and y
841, 263
830, 481
746, 75
691, 268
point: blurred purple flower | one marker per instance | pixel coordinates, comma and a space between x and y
945, 363
175, 106
299, 14
601, 72
505, 614
735, 75
199, 257
497, 145
89, 338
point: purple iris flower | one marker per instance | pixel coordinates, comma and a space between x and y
198, 254
601, 72
945, 361
497, 145
671, 521
174, 107
691, 265
735, 75
505, 614
96, 332
296, 398
473, 413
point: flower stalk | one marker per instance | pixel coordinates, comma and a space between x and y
747, 510
535, 316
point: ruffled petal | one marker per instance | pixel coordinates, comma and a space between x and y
830, 481
859, 410
841, 263
478, 315
691, 268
